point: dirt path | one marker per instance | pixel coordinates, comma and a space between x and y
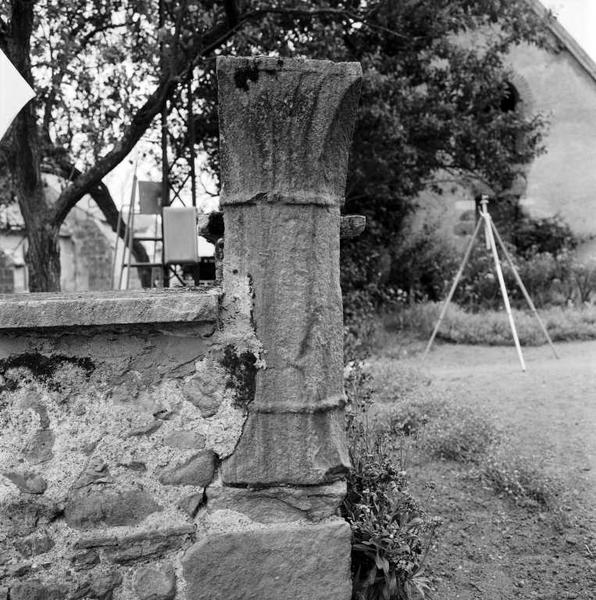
552, 405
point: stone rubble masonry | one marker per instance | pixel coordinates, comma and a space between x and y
93, 411
185, 444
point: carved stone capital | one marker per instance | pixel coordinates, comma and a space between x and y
286, 127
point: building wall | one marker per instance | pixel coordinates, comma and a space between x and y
563, 180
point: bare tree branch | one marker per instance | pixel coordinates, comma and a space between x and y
184, 61
103, 199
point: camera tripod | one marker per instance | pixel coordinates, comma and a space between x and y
490, 232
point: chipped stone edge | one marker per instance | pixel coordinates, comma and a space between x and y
48, 310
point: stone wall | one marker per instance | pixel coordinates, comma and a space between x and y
190, 445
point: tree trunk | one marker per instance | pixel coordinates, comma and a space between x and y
104, 201
24, 160
43, 258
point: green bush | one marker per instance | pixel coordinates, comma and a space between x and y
391, 531
551, 235
424, 262
548, 278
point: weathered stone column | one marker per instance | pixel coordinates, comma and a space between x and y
286, 128
270, 530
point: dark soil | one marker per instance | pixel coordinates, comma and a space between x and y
489, 547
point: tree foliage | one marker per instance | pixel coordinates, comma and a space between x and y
431, 101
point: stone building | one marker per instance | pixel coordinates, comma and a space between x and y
558, 81
86, 251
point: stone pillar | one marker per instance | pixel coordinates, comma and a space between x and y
270, 529
286, 128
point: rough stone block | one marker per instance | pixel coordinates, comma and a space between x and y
40, 447
285, 126
291, 448
150, 544
197, 470
29, 483
205, 389
85, 559
146, 429
185, 440
35, 590
96, 472
108, 308
286, 561
100, 586
296, 303
34, 544
155, 583
18, 519
277, 504
90, 508
190, 504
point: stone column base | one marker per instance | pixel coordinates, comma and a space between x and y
289, 561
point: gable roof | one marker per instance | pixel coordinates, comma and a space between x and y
567, 41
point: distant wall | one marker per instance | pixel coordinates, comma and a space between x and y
564, 179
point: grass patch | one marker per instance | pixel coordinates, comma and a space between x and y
408, 407
523, 479
489, 328
462, 435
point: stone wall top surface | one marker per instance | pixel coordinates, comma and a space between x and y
44, 310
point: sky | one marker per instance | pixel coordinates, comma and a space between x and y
579, 18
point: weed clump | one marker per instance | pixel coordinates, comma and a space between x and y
460, 434
391, 531
523, 479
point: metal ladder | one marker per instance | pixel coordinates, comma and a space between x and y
126, 260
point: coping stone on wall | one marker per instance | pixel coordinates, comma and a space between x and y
44, 310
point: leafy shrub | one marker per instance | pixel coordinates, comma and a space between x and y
551, 235
425, 262
542, 254
391, 531
584, 275
360, 324
547, 277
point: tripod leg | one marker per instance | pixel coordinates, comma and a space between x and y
504, 289
522, 287
453, 288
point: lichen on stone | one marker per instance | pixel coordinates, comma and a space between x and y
242, 371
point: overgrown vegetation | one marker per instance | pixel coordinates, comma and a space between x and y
521, 478
391, 531
489, 328
396, 417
